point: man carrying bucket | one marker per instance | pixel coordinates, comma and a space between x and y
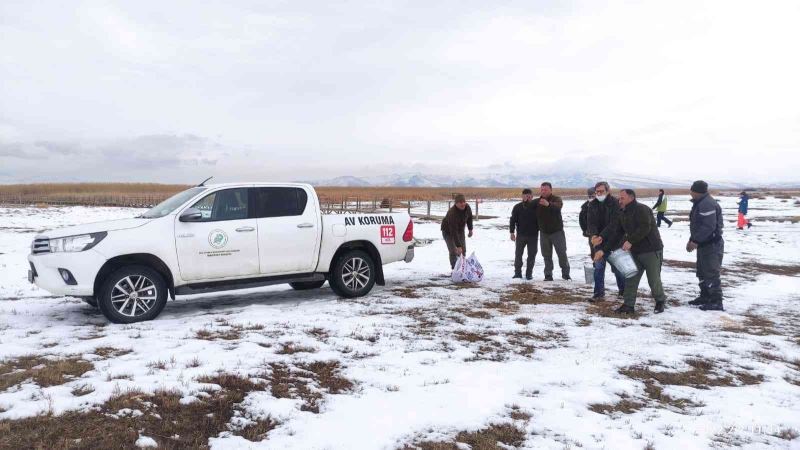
602, 217
459, 216
636, 232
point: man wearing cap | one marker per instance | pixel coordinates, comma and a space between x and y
705, 226
524, 222
635, 231
604, 212
459, 215
551, 231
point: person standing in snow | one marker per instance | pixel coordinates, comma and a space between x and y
635, 231
551, 230
603, 214
459, 216
705, 225
583, 217
744, 201
661, 208
524, 223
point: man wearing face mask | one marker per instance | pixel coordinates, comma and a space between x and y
551, 231
523, 221
603, 212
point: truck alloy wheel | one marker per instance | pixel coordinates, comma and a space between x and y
133, 294
353, 274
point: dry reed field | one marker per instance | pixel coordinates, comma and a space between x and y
145, 194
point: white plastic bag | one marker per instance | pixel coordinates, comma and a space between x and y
469, 270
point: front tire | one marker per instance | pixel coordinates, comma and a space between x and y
306, 285
132, 294
353, 274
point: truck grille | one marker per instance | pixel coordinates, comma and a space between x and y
40, 245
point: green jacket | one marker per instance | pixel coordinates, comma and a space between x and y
635, 224
661, 203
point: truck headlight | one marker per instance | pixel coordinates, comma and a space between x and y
77, 243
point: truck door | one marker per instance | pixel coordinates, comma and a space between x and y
288, 230
224, 243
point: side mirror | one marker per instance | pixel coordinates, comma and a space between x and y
191, 215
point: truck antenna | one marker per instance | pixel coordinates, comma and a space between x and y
204, 182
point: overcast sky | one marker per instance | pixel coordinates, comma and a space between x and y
174, 91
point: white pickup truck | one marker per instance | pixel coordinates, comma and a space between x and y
214, 238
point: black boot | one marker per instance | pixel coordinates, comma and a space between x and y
596, 298
529, 272
712, 306
659, 307
749, 225
703, 298
625, 309
517, 274
548, 278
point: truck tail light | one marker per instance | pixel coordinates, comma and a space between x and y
408, 235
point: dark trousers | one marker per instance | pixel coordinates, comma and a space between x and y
559, 241
522, 243
659, 217
451, 248
649, 263
600, 277
709, 265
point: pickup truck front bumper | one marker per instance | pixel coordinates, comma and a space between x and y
82, 266
409, 254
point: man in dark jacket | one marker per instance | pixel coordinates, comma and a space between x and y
583, 217
551, 231
705, 226
459, 215
524, 230
602, 216
661, 209
636, 232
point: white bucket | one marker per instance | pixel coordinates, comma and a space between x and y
624, 263
588, 273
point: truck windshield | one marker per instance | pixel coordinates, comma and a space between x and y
172, 203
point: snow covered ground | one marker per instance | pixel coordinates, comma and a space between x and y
422, 361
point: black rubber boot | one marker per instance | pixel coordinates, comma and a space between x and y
529, 273
596, 298
659, 307
625, 309
703, 298
548, 278
712, 306
517, 275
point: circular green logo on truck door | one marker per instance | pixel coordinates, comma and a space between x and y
217, 238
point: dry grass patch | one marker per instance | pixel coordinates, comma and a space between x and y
84, 389
493, 437
173, 425
625, 405
110, 352
522, 320
674, 263
583, 322
41, 370
474, 313
290, 348
307, 382
406, 292
528, 294
752, 324
702, 374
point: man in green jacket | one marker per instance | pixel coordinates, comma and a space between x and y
636, 232
551, 231
661, 209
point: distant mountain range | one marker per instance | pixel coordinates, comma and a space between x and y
510, 179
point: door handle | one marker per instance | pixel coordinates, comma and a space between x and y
186, 235
245, 229
306, 225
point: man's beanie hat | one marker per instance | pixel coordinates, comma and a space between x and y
526, 191
700, 186
460, 198
590, 191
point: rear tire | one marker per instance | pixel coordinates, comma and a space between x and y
353, 274
132, 294
306, 285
